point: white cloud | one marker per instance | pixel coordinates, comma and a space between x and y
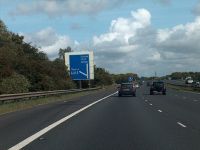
181, 38
63, 7
120, 47
122, 29
49, 41
43, 37
54, 8
133, 45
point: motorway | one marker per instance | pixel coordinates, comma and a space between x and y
144, 122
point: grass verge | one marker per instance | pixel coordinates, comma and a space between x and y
187, 89
21, 105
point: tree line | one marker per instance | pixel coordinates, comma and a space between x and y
24, 68
182, 75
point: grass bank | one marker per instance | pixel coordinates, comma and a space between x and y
182, 88
21, 105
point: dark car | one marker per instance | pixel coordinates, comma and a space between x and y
127, 89
196, 84
158, 86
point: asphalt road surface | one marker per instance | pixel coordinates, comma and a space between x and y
144, 122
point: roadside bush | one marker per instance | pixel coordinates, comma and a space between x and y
16, 83
66, 84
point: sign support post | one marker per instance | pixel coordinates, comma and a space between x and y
80, 84
89, 83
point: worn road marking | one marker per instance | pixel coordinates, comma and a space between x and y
151, 104
181, 124
50, 127
159, 110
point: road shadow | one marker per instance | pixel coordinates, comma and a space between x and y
145, 94
123, 96
155, 93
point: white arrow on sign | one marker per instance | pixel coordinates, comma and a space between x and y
87, 70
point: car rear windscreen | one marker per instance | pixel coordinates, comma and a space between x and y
126, 86
158, 84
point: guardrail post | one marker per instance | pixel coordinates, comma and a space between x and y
27, 96
1, 102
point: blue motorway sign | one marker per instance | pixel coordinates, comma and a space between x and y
79, 67
130, 79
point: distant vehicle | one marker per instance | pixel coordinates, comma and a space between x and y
136, 85
158, 86
126, 89
188, 80
196, 84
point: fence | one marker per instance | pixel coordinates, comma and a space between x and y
27, 96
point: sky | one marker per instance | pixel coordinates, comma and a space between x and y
135, 36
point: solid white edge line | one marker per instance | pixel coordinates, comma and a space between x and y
50, 127
182, 125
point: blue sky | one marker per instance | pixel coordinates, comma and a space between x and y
77, 25
163, 16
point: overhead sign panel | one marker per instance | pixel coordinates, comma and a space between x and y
80, 65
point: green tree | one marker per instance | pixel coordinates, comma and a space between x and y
17, 56
14, 84
4, 34
63, 51
119, 78
102, 77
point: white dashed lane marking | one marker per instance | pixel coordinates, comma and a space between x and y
181, 124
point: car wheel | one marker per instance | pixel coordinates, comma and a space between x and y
119, 95
134, 95
164, 93
151, 92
